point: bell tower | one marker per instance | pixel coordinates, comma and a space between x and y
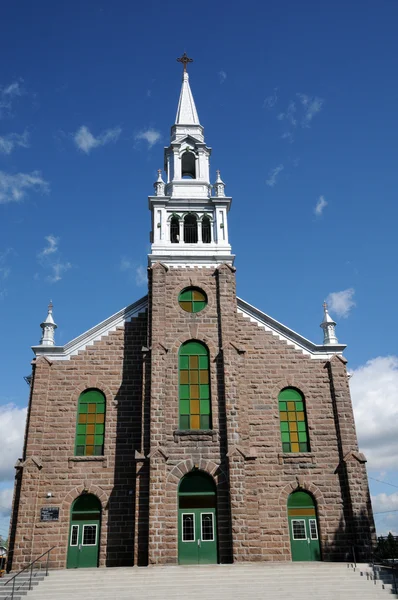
189, 215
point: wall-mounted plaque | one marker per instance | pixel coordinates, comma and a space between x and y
49, 513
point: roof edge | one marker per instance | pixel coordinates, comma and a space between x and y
263, 319
93, 334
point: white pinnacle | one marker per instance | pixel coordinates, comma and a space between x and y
328, 326
48, 326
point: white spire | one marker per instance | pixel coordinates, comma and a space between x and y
48, 326
186, 111
328, 326
219, 186
159, 184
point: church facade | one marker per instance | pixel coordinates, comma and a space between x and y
190, 427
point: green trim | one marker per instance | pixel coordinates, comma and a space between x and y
194, 386
293, 421
90, 424
192, 299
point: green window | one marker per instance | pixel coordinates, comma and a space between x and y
293, 421
192, 300
194, 386
90, 426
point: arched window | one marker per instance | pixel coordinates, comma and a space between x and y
174, 230
206, 232
190, 229
188, 168
194, 386
293, 421
90, 428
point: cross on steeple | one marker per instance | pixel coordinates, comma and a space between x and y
184, 59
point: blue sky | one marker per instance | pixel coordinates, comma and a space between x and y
298, 100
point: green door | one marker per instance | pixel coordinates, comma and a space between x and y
303, 527
84, 533
197, 536
197, 521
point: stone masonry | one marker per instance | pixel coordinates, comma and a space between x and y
146, 455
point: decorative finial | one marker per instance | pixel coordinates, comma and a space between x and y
328, 326
219, 186
159, 184
48, 326
185, 60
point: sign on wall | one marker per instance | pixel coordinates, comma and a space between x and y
49, 513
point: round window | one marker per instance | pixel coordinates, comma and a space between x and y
192, 300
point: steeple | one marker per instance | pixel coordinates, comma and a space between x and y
48, 326
189, 223
186, 111
328, 326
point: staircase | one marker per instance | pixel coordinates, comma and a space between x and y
274, 581
21, 586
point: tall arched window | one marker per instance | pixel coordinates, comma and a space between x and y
90, 428
190, 229
206, 232
293, 421
188, 167
194, 386
174, 230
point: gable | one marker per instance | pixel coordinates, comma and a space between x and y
264, 321
94, 334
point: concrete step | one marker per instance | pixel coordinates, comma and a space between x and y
248, 581
324, 581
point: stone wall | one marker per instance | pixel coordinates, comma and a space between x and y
114, 365
146, 454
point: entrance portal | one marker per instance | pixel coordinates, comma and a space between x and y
84, 533
303, 527
197, 521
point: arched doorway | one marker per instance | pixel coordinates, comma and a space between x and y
197, 519
84, 532
303, 527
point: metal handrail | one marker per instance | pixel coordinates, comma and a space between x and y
394, 569
29, 566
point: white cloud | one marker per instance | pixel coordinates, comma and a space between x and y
14, 187
312, 106
49, 259
385, 510
138, 272
374, 390
273, 175
11, 140
271, 100
384, 502
320, 206
86, 141
342, 302
149, 135
5, 503
7, 94
5, 269
58, 269
222, 75
12, 428
52, 246
289, 115
140, 275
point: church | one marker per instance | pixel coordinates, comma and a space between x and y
190, 427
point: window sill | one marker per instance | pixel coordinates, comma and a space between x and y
307, 458
92, 459
195, 434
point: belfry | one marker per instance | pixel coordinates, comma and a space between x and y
190, 427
